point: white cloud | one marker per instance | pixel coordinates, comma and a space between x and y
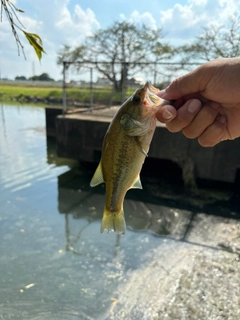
74, 28
228, 8
144, 18
56, 25
184, 22
198, 2
180, 22
179, 16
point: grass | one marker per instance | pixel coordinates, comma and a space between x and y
10, 92
22, 92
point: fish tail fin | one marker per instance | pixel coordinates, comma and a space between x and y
114, 222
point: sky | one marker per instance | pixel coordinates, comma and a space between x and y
60, 22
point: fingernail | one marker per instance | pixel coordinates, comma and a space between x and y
194, 105
167, 114
222, 119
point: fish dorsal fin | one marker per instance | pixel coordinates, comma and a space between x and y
137, 184
98, 176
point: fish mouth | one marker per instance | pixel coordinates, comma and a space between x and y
151, 99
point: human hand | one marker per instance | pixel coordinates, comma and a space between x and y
207, 102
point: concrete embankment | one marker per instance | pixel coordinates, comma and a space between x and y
80, 135
185, 281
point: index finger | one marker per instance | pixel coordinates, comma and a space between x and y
192, 83
178, 103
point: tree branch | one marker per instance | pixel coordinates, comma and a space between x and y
10, 10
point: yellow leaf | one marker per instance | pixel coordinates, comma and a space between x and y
36, 42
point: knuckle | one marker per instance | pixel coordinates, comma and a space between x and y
210, 111
188, 133
206, 142
172, 128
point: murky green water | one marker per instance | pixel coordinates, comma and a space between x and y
54, 263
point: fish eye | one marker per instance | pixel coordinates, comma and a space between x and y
136, 100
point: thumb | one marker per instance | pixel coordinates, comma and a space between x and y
192, 82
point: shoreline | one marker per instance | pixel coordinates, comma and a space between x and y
52, 93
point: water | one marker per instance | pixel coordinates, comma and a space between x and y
54, 263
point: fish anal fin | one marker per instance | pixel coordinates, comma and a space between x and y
137, 184
98, 176
113, 222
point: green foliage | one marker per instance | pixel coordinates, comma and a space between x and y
9, 92
42, 77
100, 95
21, 78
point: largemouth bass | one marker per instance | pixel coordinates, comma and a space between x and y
124, 149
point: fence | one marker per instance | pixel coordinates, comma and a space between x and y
84, 86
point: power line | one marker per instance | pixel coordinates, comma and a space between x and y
134, 63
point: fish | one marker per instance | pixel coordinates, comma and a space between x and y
124, 149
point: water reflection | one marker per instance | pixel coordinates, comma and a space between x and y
145, 210
3, 124
50, 231
77, 198
72, 240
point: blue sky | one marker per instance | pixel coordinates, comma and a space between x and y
60, 22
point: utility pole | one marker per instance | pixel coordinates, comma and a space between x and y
91, 89
33, 70
64, 97
155, 74
124, 80
124, 69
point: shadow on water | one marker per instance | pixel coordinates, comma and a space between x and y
163, 208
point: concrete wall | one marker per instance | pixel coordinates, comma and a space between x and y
50, 115
81, 139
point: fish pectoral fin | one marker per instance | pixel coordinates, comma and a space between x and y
138, 142
98, 176
137, 184
133, 127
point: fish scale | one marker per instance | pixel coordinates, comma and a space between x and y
125, 147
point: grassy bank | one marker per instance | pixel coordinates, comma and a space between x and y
9, 92
53, 94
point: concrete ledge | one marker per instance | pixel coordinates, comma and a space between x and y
80, 137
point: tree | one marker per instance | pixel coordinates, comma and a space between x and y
42, 77
215, 42
11, 12
119, 51
21, 78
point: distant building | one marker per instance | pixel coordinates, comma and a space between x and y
135, 82
103, 81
